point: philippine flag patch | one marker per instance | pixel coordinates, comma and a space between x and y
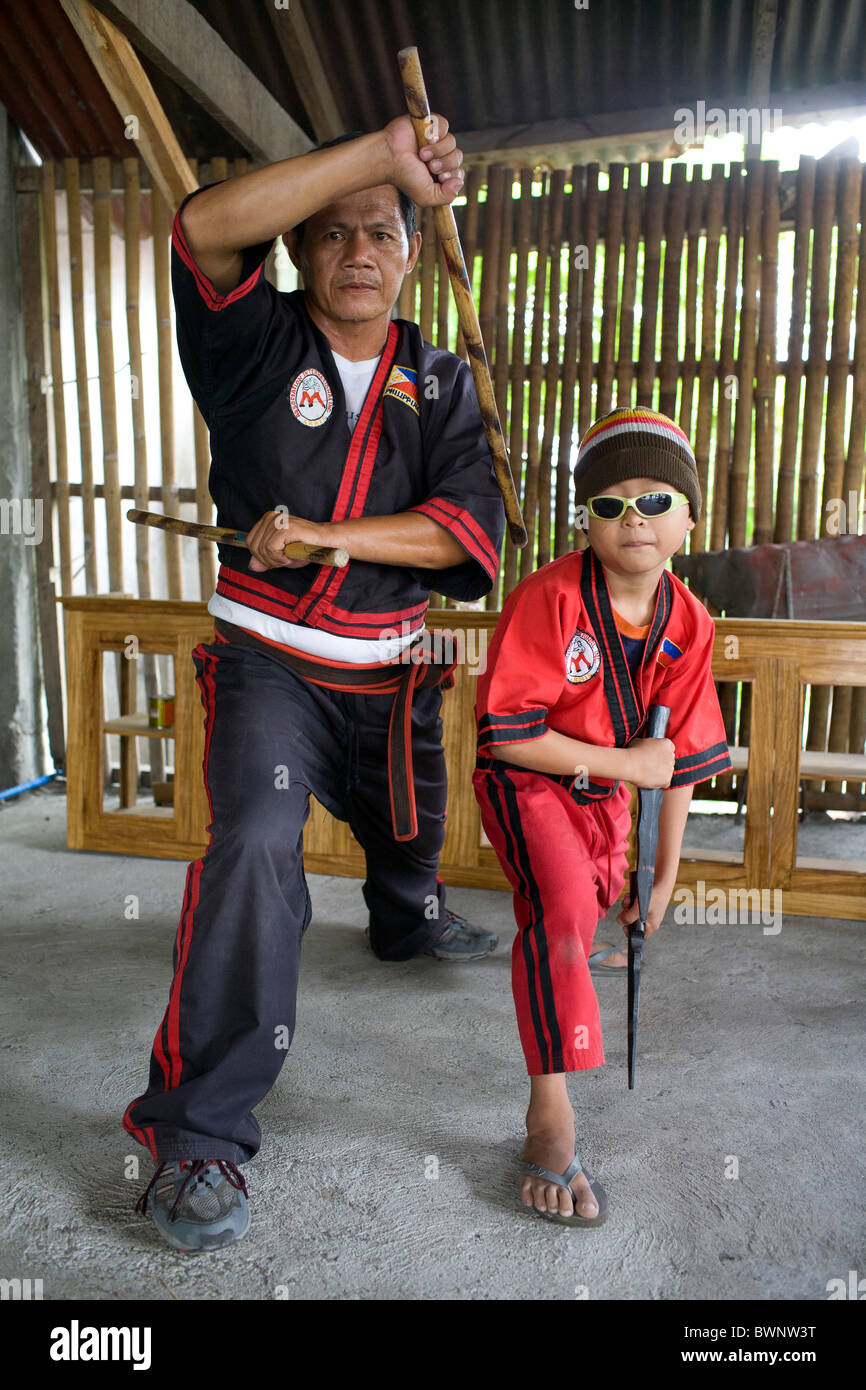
668, 652
402, 384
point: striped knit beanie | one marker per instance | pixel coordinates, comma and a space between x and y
634, 442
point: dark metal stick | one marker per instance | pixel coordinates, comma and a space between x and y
649, 804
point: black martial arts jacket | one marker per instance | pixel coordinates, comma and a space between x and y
266, 383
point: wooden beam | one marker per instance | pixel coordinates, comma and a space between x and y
305, 65
174, 36
129, 88
645, 133
761, 64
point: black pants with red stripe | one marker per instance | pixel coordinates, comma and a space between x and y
272, 738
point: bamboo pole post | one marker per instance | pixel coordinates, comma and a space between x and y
490, 258
585, 370
552, 369
443, 300
709, 351
562, 536
727, 379
154, 751
610, 288
76, 275
837, 402
727, 383
428, 274
132, 262
41, 561
689, 368
503, 298
838, 371
105, 355
518, 365
783, 528
631, 245
814, 403
653, 224
501, 367
536, 374
675, 230
61, 488
746, 354
169, 491
816, 366
853, 482
765, 369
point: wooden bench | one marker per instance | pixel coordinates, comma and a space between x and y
778, 659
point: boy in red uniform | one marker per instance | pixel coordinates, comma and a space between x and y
583, 648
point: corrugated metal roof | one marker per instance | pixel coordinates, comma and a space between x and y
489, 65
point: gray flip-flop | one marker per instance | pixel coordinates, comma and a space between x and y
596, 968
565, 1180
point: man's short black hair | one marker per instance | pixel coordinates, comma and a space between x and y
408, 210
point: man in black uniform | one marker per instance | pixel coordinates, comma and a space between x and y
333, 424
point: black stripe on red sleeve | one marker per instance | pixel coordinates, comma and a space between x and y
696, 767
512, 728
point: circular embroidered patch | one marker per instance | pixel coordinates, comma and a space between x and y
311, 398
582, 657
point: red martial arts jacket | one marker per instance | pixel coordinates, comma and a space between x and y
267, 385
556, 661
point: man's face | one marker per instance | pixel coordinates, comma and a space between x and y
637, 544
354, 255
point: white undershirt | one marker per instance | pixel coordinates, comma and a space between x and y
356, 378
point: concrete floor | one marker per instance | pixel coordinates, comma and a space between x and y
751, 1046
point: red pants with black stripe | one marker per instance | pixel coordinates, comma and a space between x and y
566, 863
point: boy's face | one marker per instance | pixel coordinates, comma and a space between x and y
635, 544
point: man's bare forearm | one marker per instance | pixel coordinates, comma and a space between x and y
407, 538
261, 205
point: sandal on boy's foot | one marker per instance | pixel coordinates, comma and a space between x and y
198, 1204
595, 962
565, 1180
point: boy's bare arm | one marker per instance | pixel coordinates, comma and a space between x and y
672, 823
648, 762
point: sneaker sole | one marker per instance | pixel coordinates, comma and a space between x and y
206, 1242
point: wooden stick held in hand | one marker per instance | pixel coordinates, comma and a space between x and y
446, 231
294, 550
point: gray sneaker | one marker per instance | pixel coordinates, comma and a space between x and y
461, 941
198, 1204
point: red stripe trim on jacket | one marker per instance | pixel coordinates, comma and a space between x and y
325, 586
465, 528
211, 296
266, 598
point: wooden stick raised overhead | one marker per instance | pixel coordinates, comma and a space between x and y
446, 231
294, 550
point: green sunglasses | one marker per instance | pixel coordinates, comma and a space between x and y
608, 508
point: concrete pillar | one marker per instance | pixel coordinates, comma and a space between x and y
23, 743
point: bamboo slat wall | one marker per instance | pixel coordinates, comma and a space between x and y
595, 289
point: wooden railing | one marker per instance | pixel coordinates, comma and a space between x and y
777, 659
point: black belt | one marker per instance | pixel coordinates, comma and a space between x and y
417, 668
